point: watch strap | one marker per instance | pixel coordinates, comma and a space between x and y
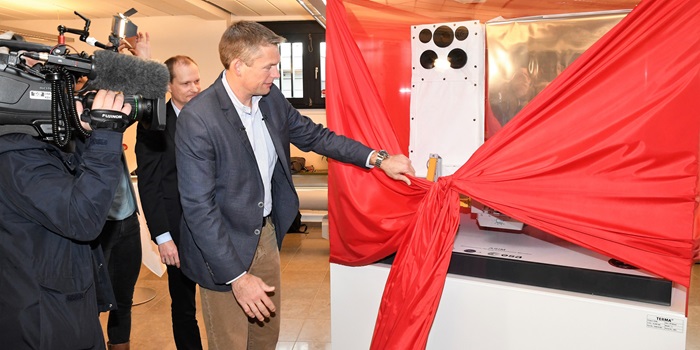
381, 156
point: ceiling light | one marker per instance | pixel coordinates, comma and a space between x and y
316, 8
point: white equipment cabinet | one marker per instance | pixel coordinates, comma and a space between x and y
487, 314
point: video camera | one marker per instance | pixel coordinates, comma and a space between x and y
40, 100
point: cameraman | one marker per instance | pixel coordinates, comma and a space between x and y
53, 205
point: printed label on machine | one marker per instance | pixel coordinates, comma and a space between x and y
665, 323
499, 252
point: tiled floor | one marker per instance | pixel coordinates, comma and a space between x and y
305, 301
306, 313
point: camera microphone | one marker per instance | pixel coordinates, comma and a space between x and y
129, 74
143, 82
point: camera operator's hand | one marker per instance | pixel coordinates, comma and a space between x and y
108, 112
139, 45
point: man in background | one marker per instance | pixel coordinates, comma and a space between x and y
160, 199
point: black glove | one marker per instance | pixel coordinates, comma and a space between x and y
106, 119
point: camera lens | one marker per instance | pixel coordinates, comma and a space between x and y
149, 112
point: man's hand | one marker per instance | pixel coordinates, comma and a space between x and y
251, 294
105, 100
396, 166
168, 254
139, 45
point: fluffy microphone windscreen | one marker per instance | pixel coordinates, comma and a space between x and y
129, 74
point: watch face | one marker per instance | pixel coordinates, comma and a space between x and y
381, 155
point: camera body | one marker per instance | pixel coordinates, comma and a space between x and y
25, 103
40, 100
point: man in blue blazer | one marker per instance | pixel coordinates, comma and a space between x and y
238, 199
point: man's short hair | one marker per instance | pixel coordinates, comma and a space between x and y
176, 60
243, 40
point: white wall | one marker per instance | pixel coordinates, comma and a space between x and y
183, 35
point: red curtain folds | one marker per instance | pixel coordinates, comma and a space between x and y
606, 157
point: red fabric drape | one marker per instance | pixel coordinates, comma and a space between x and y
356, 107
606, 157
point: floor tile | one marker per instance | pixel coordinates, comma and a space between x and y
290, 328
315, 330
312, 346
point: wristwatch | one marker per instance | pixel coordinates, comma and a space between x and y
381, 156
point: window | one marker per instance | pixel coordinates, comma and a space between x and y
291, 67
303, 63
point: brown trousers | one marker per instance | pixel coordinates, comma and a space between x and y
228, 327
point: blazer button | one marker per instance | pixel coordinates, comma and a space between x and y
257, 232
261, 204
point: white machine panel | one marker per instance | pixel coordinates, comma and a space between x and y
448, 93
476, 313
497, 314
535, 247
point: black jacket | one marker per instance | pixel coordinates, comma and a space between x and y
157, 174
53, 206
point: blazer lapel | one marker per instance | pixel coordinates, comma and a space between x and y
233, 118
